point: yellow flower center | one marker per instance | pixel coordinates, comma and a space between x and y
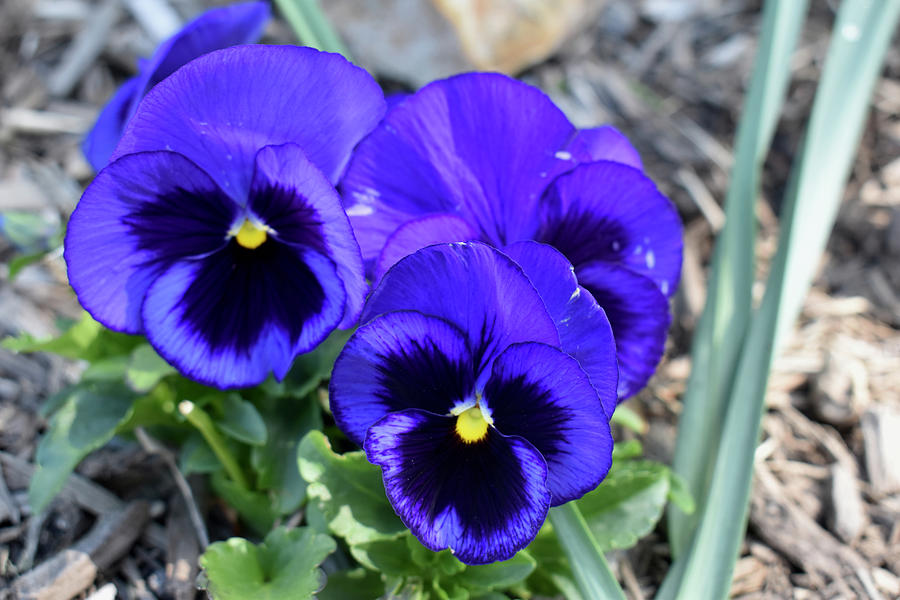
251, 235
471, 426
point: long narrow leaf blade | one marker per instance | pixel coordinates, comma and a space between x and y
721, 330
311, 26
589, 566
861, 36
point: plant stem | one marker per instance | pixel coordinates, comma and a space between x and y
589, 566
197, 417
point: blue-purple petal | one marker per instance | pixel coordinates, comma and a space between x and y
241, 23
485, 501
605, 143
584, 331
474, 287
233, 25
480, 145
293, 197
139, 215
425, 231
613, 213
231, 318
398, 361
221, 108
639, 315
101, 140
540, 394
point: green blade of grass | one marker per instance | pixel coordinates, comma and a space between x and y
311, 26
861, 36
592, 573
722, 327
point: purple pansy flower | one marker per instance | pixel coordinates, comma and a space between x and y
481, 156
216, 229
457, 387
218, 28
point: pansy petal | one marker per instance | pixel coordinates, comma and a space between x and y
611, 212
241, 23
230, 318
540, 394
397, 361
481, 145
221, 108
101, 140
139, 215
606, 143
639, 315
294, 198
584, 331
412, 236
485, 501
473, 286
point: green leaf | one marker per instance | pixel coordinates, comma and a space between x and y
256, 508
589, 566
311, 26
106, 369
358, 584
72, 343
242, 421
863, 31
498, 575
679, 494
348, 490
23, 260
392, 557
146, 368
625, 450
287, 421
283, 567
627, 504
196, 456
442, 563
87, 419
721, 330
84, 340
627, 418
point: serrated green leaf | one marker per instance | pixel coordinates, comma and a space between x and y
87, 419
348, 490
391, 557
489, 596
71, 343
85, 340
498, 575
443, 562
627, 504
287, 421
196, 456
448, 590
625, 450
256, 508
106, 369
242, 421
627, 418
358, 584
146, 368
284, 567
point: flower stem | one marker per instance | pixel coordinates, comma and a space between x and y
589, 566
197, 417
